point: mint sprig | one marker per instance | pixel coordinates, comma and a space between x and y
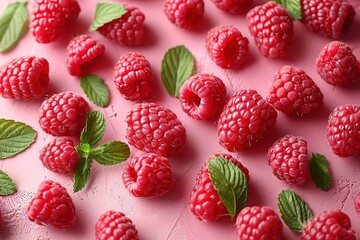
94, 129
7, 186
293, 7
319, 170
95, 89
106, 12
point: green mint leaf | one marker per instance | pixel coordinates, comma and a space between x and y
81, 173
7, 186
15, 137
94, 128
293, 7
294, 211
230, 183
83, 150
319, 170
95, 89
111, 153
106, 12
14, 22
177, 66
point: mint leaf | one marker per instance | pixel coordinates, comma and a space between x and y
83, 150
230, 183
81, 173
293, 7
95, 89
294, 211
94, 128
177, 66
15, 137
319, 170
7, 186
14, 23
106, 12
111, 153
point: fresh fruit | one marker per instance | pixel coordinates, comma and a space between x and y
294, 92
155, 129
50, 18
357, 203
227, 47
52, 206
81, 52
343, 130
63, 114
233, 6
245, 120
148, 175
24, 78
203, 96
184, 13
271, 26
133, 77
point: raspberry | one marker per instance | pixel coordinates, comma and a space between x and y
148, 175
294, 92
52, 205
233, 6
258, 223
184, 13
81, 52
246, 119
272, 28
203, 96
24, 78
288, 159
337, 64
63, 114
343, 130
128, 29
328, 17
332, 224
227, 47
204, 202
357, 203
115, 226
156, 129
133, 77
50, 18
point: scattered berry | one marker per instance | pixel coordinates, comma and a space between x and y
184, 13
233, 6
227, 47
357, 203
52, 206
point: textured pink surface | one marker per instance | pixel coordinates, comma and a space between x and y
168, 217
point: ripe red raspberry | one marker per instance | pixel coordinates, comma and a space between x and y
133, 77
63, 114
52, 206
128, 29
227, 47
337, 64
328, 17
204, 202
156, 129
116, 226
49, 18
357, 203
203, 96
81, 52
294, 92
184, 13
343, 130
233, 6
271, 26
148, 175
333, 224
258, 223
24, 78
246, 119
288, 159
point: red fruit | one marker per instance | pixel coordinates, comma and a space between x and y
203, 96
357, 203
328, 17
63, 114
294, 92
52, 206
148, 175
115, 226
133, 77
246, 119
155, 129
81, 52
271, 26
227, 47
233, 6
24, 78
50, 18
343, 130
184, 13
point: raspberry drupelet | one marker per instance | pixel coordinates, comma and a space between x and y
186, 14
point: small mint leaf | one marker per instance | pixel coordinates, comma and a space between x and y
95, 89
94, 128
177, 66
81, 173
83, 150
319, 170
106, 12
7, 186
111, 153
293, 7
